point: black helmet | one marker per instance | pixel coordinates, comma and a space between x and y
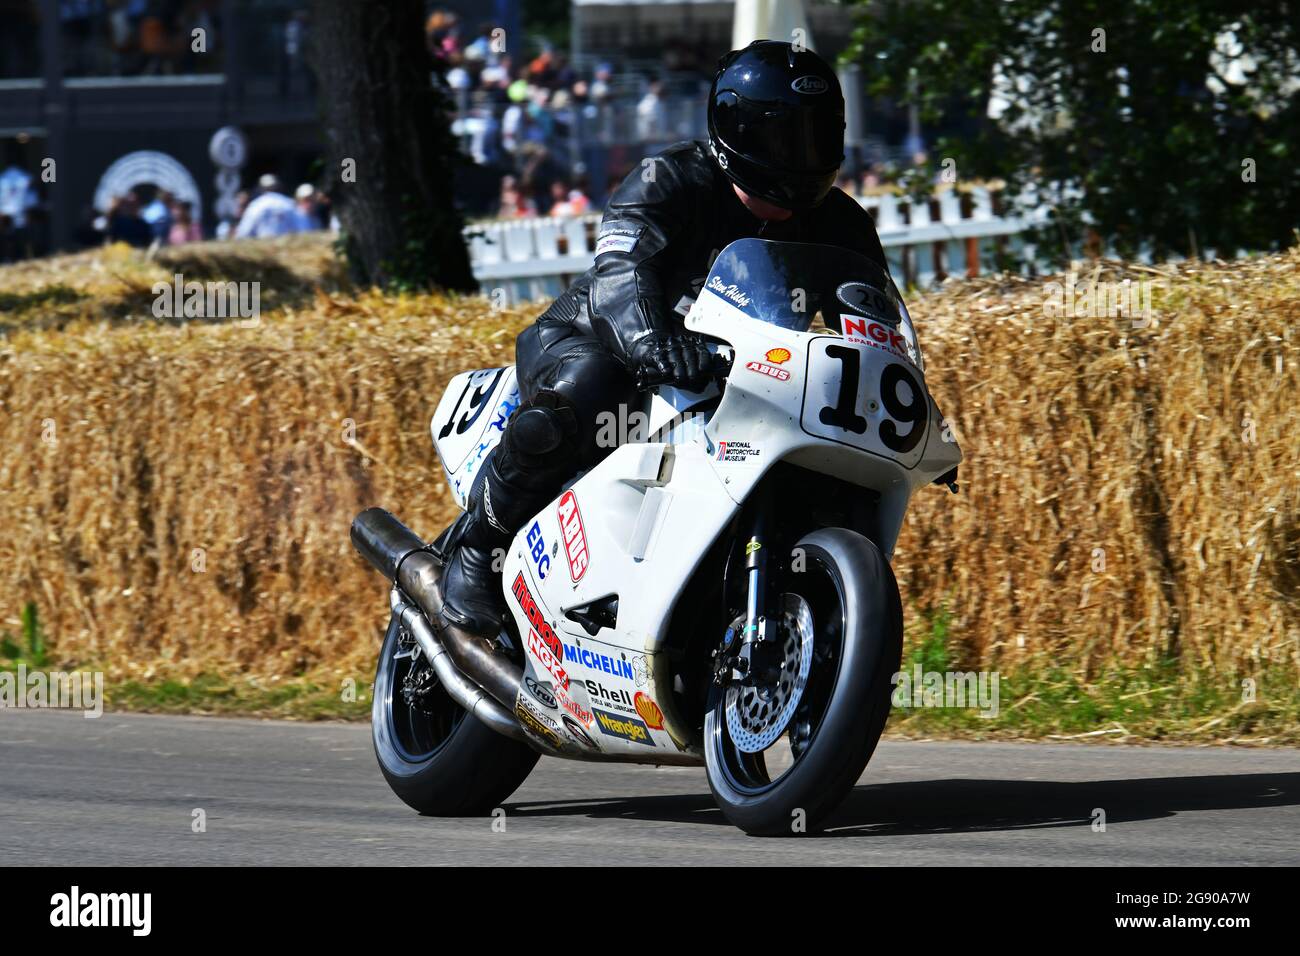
776, 123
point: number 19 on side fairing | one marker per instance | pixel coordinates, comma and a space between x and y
719, 593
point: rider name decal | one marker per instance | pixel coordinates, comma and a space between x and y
731, 292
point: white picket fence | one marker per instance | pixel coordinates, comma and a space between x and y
533, 259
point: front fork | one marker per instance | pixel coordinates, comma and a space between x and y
745, 656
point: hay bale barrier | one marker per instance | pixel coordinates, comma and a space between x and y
177, 495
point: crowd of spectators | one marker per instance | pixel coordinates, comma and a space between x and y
143, 217
520, 115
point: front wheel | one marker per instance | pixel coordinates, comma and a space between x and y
437, 759
782, 756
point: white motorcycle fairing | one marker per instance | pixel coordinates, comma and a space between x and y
636, 527
469, 422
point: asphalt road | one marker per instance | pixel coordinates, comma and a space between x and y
122, 789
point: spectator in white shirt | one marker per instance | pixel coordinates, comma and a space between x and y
272, 213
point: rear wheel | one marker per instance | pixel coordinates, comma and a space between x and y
437, 759
783, 755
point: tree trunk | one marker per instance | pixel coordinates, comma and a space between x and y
389, 144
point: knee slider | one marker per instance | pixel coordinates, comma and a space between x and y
537, 430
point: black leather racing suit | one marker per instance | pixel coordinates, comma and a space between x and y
661, 231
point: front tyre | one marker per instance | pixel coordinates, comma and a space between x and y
845, 603
437, 759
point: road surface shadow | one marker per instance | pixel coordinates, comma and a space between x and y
974, 806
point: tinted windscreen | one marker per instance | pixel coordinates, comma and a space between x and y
787, 283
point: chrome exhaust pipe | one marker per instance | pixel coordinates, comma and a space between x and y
462, 690
396, 552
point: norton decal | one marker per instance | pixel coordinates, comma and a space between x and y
537, 548
533, 612
597, 662
649, 711
625, 728
541, 692
578, 732
535, 726
575, 537
771, 371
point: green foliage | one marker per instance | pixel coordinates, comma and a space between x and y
32, 649
1152, 133
33, 636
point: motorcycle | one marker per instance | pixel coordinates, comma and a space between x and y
716, 591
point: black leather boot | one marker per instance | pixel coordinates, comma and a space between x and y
471, 581
523, 473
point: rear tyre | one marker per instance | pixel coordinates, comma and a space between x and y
857, 634
437, 759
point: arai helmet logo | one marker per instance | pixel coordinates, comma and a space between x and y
731, 292
810, 84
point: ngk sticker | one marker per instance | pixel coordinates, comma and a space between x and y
866, 332
544, 656
575, 538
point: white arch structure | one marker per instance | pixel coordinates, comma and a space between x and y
148, 166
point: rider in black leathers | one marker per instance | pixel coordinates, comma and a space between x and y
776, 138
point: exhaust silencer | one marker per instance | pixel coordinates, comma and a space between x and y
396, 552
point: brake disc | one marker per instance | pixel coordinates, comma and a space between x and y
757, 716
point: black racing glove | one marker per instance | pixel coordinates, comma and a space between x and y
682, 360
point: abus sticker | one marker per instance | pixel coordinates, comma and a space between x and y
575, 537
771, 371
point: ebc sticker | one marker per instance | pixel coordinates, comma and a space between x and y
537, 550
624, 728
